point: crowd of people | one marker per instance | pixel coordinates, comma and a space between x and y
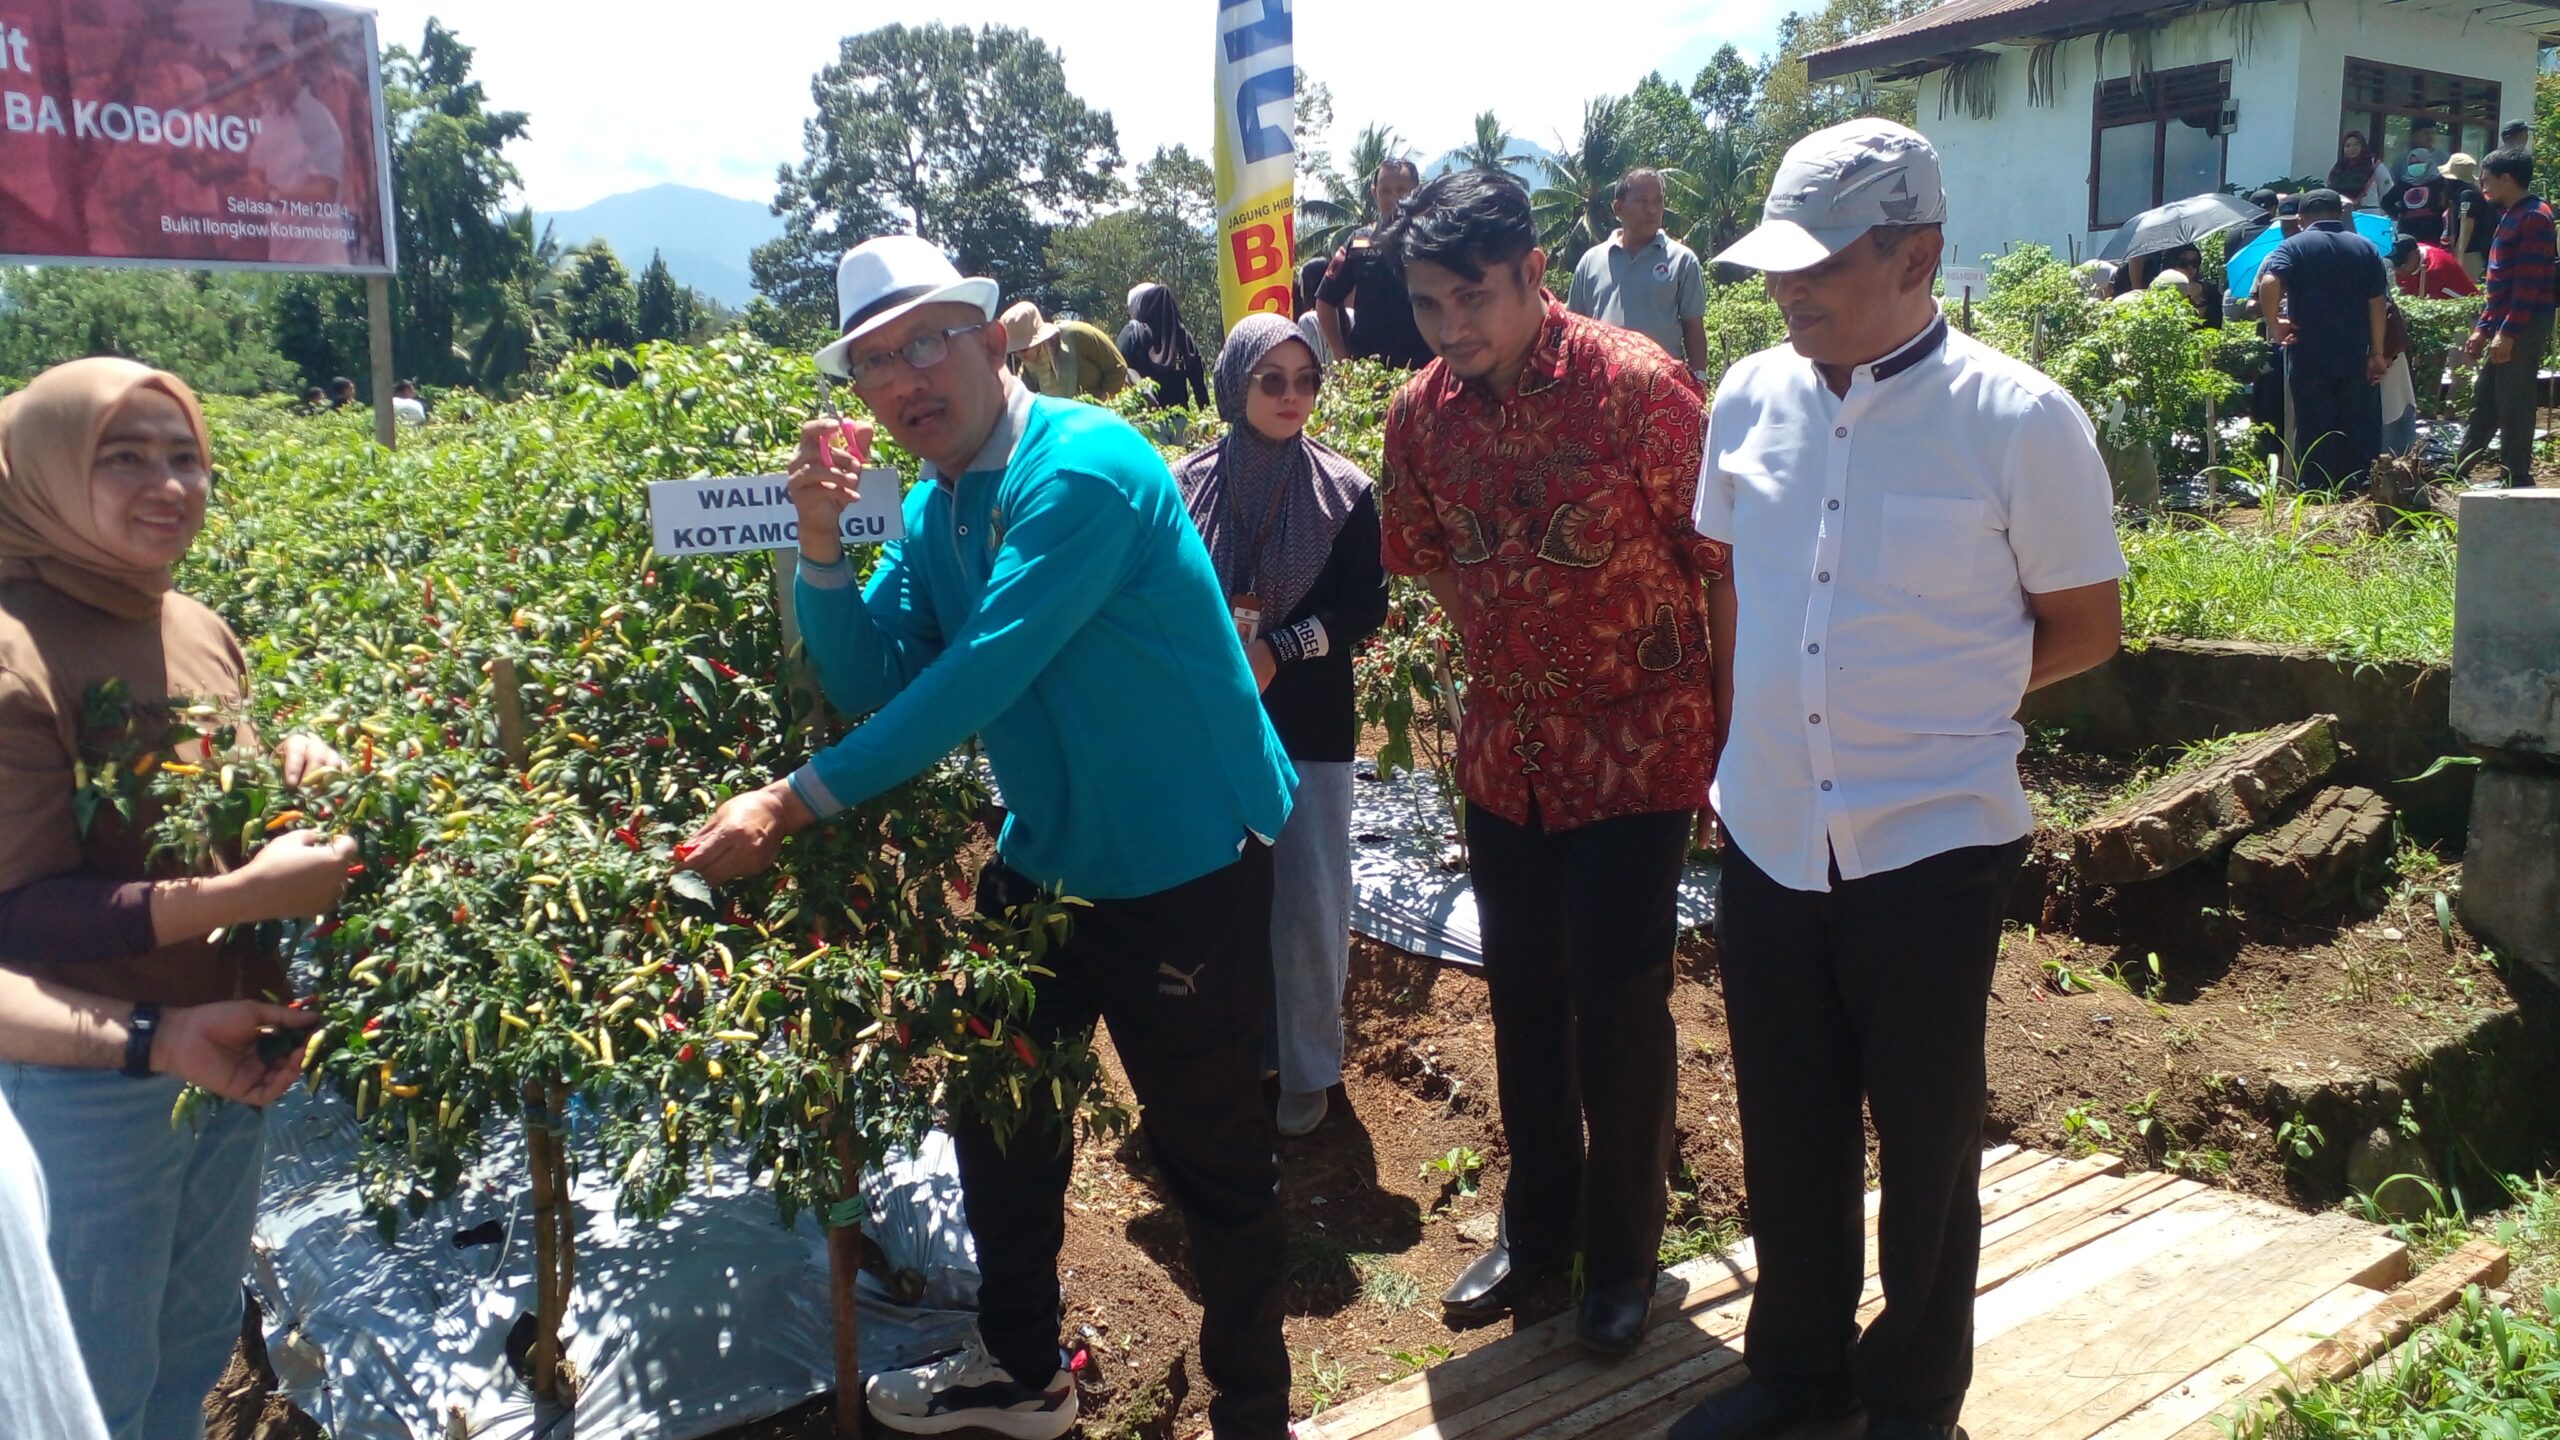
2340, 388
1810, 603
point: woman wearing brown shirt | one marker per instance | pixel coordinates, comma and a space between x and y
103, 483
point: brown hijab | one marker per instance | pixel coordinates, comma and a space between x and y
49, 435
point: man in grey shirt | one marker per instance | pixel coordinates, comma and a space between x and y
1642, 279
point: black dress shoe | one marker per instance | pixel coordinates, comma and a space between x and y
1888, 1426
1492, 1287
1751, 1409
1612, 1318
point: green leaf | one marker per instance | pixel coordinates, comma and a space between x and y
692, 887
2443, 763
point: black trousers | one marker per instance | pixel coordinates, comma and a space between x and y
1184, 977
2334, 426
1579, 927
1875, 990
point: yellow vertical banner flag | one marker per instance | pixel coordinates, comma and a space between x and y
1257, 161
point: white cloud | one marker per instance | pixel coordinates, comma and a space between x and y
715, 95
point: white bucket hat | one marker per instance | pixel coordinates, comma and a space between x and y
884, 278
1837, 184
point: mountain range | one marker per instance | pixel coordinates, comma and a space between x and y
705, 236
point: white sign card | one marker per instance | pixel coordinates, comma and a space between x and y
725, 514
1961, 278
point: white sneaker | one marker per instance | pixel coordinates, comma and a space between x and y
971, 1391
1301, 1111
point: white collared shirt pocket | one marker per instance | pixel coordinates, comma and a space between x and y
1930, 543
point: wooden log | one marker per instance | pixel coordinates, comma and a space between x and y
539, 1141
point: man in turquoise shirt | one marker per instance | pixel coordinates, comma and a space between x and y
1052, 597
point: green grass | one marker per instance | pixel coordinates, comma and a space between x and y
2292, 581
1696, 1239
1385, 1286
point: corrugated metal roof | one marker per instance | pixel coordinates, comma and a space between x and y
1961, 25
1938, 35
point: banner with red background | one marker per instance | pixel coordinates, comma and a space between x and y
242, 134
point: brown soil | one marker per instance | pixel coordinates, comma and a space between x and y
2089, 1048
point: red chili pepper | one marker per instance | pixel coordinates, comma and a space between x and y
356, 869
658, 742
461, 914
1022, 1047
591, 687
550, 710
977, 1027
628, 837
327, 928
541, 820
649, 579
671, 1022
684, 1055
980, 949
906, 1036
431, 594
724, 671
563, 952
373, 1025
367, 749
685, 849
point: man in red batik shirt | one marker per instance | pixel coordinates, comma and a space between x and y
1539, 476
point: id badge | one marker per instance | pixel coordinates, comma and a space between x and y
1247, 610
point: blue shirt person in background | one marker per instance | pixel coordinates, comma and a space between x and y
2324, 291
1053, 598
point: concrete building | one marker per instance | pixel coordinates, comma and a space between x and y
2047, 138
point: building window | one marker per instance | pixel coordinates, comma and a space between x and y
2161, 143
2382, 101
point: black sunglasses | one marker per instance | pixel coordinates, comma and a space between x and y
1276, 386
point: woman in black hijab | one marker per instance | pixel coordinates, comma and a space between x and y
1159, 349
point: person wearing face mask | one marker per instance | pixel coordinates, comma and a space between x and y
1292, 528
1921, 534
103, 483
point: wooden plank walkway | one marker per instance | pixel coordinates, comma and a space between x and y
2111, 1307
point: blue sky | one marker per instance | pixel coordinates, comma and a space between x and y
714, 95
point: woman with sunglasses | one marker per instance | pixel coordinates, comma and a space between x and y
1293, 531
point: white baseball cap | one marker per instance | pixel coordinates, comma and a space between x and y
1837, 184
881, 279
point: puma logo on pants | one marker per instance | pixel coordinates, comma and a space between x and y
1170, 981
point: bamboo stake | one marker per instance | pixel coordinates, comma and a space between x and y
844, 1270
564, 1249
539, 1142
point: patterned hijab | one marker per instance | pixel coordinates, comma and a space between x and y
1233, 484
48, 440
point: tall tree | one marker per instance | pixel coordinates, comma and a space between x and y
1572, 207
970, 139
597, 304
1168, 236
1490, 149
216, 331
1326, 221
1727, 89
1664, 127
459, 251
520, 334
1794, 105
665, 310
451, 175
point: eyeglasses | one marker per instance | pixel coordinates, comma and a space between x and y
1276, 386
922, 353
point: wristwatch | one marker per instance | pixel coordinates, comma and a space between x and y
138, 1034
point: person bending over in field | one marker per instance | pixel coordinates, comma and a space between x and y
1053, 598
103, 481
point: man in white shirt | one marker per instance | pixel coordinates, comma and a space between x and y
1921, 533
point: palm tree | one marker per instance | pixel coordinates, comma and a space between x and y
1715, 195
522, 308
1572, 208
1490, 150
